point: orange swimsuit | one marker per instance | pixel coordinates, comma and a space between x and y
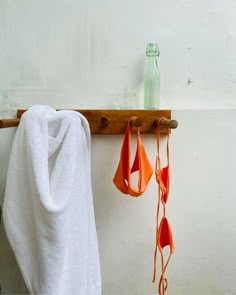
122, 178
163, 230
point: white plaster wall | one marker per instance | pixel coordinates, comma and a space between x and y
90, 54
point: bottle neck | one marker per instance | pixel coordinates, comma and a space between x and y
152, 59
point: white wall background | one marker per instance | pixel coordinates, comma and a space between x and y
90, 54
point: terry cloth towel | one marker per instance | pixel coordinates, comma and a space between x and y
48, 206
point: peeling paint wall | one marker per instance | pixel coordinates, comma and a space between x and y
90, 54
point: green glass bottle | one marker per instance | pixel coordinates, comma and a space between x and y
152, 78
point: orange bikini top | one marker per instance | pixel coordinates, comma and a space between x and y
163, 230
122, 178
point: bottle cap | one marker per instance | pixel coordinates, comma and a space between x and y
152, 49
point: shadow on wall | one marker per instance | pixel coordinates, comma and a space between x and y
11, 281
9, 272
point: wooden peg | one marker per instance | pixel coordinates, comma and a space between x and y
4, 123
166, 123
104, 121
136, 122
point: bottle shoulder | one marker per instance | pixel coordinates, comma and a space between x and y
151, 70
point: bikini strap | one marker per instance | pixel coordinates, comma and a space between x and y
163, 284
157, 167
156, 243
158, 135
167, 147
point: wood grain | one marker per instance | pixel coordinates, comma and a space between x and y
115, 121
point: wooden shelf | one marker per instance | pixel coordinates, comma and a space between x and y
115, 121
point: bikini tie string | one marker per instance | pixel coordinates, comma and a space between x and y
163, 230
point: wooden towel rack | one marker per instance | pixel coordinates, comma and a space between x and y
115, 121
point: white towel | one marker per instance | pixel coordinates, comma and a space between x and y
48, 206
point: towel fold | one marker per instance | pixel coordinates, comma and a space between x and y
48, 206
